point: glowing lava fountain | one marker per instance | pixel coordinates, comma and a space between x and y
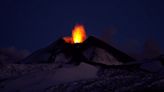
78, 35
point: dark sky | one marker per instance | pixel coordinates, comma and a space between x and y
32, 24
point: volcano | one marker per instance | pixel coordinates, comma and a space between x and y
77, 49
92, 50
81, 64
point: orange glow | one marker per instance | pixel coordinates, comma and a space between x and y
78, 35
68, 40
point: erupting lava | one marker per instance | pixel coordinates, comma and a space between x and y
78, 35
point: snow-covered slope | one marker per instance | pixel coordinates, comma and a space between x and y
99, 55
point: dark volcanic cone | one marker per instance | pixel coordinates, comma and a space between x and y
91, 50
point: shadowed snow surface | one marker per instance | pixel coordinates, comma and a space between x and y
80, 78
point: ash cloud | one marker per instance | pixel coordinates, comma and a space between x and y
108, 34
151, 48
12, 55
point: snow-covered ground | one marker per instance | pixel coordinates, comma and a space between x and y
37, 80
81, 78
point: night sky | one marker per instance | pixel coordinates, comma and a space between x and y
33, 24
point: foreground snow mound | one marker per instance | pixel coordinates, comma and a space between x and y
38, 79
79, 78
